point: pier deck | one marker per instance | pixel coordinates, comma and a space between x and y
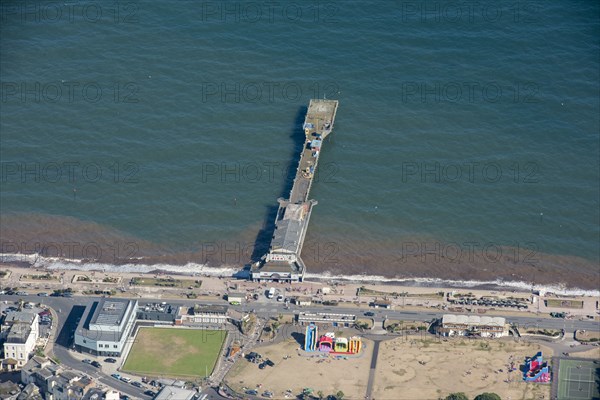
283, 262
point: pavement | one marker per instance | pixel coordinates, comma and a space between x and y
66, 311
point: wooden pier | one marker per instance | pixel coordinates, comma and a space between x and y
283, 263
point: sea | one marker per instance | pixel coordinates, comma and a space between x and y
158, 135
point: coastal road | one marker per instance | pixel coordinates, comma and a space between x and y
266, 310
70, 309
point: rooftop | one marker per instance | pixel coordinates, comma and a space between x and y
209, 309
108, 329
474, 320
109, 311
281, 266
20, 317
175, 393
19, 333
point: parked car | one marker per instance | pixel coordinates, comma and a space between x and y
96, 364
369, 314
116, 376
280, 298
110, 360
270, 363
22, 294
87, 361
43, 294
149, 393
125, 379
137, 384
67, 294
252, 392
262, 365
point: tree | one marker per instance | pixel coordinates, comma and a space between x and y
487, 396
320, 394
339, 395
457, 396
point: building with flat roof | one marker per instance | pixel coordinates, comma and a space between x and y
105, 326
303, 301
381, 303
236, 297
471, 325
326, 318
175, 393
21, 331
202, 314
158, 312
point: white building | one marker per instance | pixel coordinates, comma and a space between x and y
236, 298
202, 314
175, 393
23, 331
303, 301
69, 385
472, 325
304, 318
105, 326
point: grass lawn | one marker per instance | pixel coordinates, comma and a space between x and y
564, 303
175, 352
167, 282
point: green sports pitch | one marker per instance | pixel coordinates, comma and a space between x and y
174, 352
578, 380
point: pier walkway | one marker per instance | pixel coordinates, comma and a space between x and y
283, 262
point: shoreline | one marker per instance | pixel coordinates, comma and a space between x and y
233, 272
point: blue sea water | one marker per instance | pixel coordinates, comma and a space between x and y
174, 125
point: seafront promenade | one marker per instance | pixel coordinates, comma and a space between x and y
344, 294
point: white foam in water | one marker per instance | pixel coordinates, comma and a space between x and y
57, 263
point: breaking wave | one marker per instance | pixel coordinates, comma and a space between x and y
57, 263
